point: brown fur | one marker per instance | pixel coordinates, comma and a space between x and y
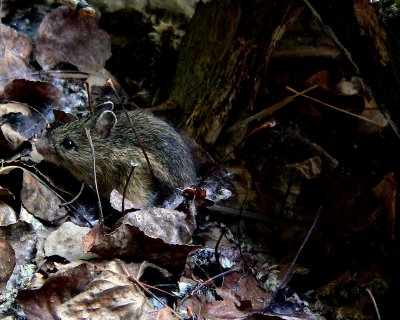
115, 148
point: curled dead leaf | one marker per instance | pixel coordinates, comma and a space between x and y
161, 236
10, 138
86, 291
34, 93
36, 197
7, 215
15, 107
76, 39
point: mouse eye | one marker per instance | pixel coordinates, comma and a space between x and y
68, 144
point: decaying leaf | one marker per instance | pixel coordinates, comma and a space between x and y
161, 236
7, 261
15, 51
87, 291
36, 197
289, 183
7, 214
66, 242
10, 138
39, 200
67, 37
34, 93
373, 113
15, 107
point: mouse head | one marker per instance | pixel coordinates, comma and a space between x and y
68, 144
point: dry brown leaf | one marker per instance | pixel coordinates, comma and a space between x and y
9, 107
64, 36
157, 235
240, 299
386, 190
66, 242
15, 49
7, 215
36, 197
39, 200
246, 287
372, 112
10, 138
15, 42
308, 169
86, 292
7, 261
34, 93
4, 192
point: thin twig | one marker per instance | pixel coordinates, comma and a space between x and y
378, 315
101, 216
268, 111
330, 32
133, 166
89, 97
210, 280
336, 108
45, 181
74, 198
289, 272
216, 251
143, 287
137, 136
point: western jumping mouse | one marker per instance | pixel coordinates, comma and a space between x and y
115, 148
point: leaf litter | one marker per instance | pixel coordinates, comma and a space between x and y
177, 261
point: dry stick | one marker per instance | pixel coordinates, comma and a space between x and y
144, 288
74, 198
378, 315
133, 166
101, 216
209, 281
335, 108
137, 136
89, 97
238, 227
270, 110
155, 297
289, 272
216, 251
42, 179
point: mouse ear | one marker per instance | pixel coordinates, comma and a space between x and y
105, 122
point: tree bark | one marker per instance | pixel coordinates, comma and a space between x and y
222, 60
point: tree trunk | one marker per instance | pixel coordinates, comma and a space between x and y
222, 60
